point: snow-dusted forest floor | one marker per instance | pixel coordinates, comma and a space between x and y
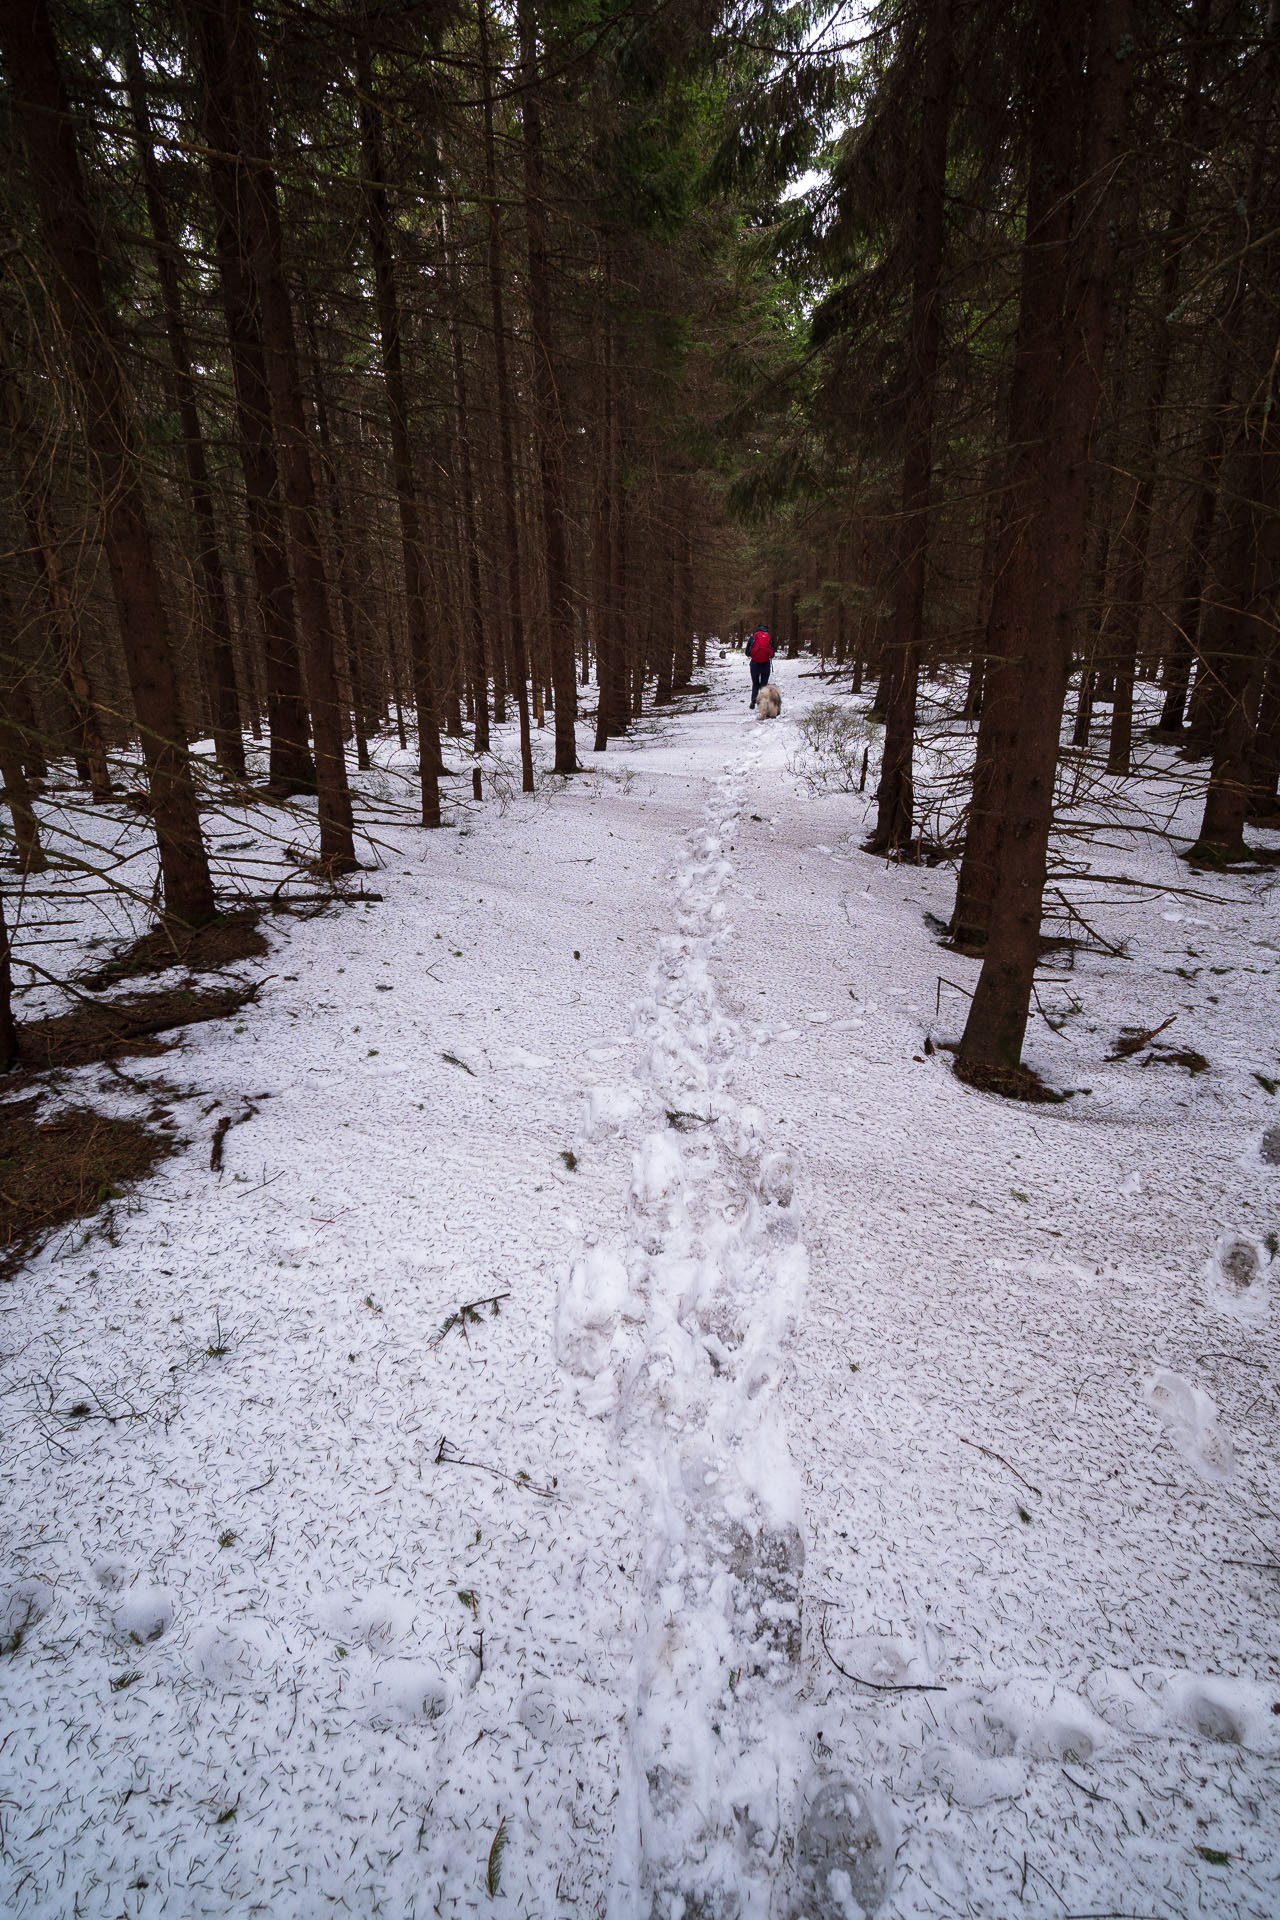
816, 1376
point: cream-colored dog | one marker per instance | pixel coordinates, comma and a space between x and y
769, 703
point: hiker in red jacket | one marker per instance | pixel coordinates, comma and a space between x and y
759, 652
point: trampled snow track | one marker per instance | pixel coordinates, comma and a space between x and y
679, 1337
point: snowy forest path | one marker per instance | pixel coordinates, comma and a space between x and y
609, 1318
679, 1333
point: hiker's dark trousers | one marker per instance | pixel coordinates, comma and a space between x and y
759, 676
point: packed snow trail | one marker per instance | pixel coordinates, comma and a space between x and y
681, 1339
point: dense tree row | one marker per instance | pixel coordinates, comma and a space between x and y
1046, 268
454, 360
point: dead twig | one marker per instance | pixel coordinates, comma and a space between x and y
1132, 1043
1107, 946
446, 1457
992, 1455
876, 1686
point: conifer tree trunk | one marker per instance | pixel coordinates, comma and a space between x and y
1243, 631
291, 768
355, 628
408, 506
478, 663
895, 799
664, 692
1129, 593
548, 427
502, 397
611, 706
1191, 596
1039, 602
232, 68
62, 626
42, 115
9, 1052
228, 739
17, 791
1018, 600
1266, 749
18, 704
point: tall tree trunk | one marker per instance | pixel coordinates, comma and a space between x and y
1266, 749
61, 624
408, 505
1017, 605
290, 767
228, 740
9, 1051
502, 396
354, 618
664, 692
42, 113
895, 798
233, 70
1243, 626
473, 596
548, 425
1196, 561
17, 791
1132, 581
1067, 337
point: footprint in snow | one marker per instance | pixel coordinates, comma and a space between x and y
142, 1613
22, 1606
606, 1109
231, 1656
1234, 1712
596, 1296
844, 1851
1192, 1421
658, 1181
379, 1619
1238, 1276
405, 1693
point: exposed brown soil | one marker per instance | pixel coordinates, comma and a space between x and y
65, 1167
1179, 1057
1203, 858
91, 1033
1011, 1083
230, 938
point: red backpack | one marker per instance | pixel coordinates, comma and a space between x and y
761, 648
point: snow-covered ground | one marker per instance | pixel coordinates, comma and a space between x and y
807, 1358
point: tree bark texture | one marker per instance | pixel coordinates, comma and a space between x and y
408, 506
233, 66
895, 799
62, 627
548, 425
290, 766
502, 398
